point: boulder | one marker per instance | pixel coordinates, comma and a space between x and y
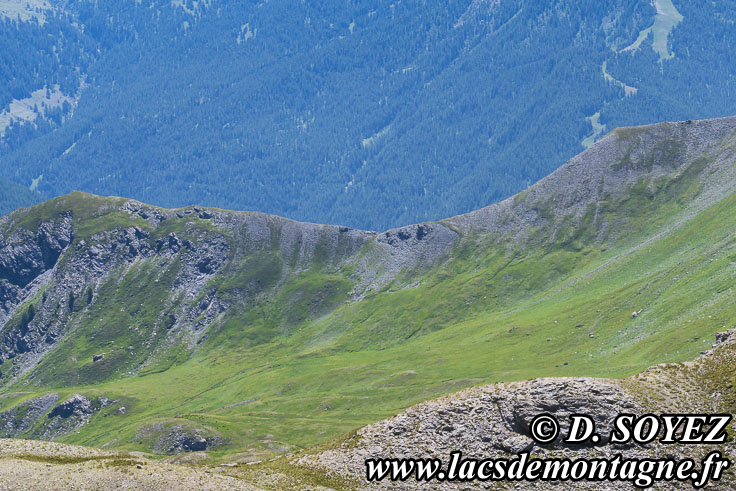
76, 405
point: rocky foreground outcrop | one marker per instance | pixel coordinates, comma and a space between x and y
492, 421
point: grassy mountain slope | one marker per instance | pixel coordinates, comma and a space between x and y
266, 334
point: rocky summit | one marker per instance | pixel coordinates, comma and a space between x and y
240, 337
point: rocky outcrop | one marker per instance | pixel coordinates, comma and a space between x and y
484, 422
38, 417
31, 260
20, 418
76, 406
26, 254
71, 414
168, 438
178, 439
411, 249
493, 421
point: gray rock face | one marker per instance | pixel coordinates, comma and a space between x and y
410, 249
30, 260
27, 254
179, 439
77, 406
38, 417
70, 415
520, 403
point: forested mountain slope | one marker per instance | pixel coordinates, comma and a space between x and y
369, 114
269, 334
13, 195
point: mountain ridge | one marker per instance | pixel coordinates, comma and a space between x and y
598, 153
722, 125
277, 323
366, 129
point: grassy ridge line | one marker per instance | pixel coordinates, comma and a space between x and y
697, 208
357, 387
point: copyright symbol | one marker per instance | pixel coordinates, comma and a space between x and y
544, 428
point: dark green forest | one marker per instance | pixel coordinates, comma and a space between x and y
13, 195
34, 56
366, 113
